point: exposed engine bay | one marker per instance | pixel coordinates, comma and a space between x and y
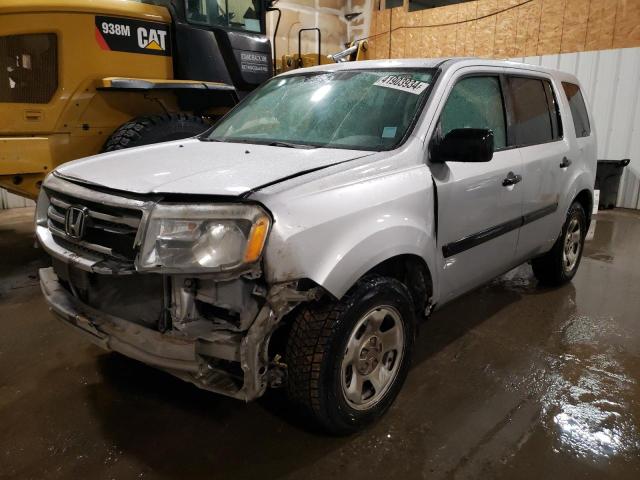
212, 333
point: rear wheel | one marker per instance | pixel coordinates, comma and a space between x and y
560, 264
348, 359
155, 129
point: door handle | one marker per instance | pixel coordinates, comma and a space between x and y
565, 162
511, 179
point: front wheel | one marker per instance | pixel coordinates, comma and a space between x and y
560, 264
348, 359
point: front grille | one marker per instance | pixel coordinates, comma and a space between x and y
28, 68
110, 232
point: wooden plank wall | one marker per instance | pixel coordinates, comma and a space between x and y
505, 28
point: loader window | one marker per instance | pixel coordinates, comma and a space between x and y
351, 109
241, 14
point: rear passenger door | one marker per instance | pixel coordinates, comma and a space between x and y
478, 212
536, 130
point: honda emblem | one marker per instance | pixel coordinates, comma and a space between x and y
75, 221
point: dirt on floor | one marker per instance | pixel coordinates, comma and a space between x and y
510, 381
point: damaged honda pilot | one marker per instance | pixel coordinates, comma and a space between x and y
299, 241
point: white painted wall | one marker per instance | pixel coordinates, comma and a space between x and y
611, 83
9, 200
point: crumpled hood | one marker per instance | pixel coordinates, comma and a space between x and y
196, 167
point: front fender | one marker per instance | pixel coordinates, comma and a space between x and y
334, 236
375, 249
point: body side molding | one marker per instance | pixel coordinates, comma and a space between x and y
476, 239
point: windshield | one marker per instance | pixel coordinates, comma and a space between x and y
243, 14
352, 109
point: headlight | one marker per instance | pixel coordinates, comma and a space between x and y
203, 238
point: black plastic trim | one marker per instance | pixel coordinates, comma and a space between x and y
479, 238
538, 214
435, 206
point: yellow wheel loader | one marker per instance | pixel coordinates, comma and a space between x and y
354, 51
78, 77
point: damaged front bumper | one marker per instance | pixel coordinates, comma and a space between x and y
231, 363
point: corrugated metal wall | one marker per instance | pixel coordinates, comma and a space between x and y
611, 80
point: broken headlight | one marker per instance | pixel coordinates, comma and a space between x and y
203, 238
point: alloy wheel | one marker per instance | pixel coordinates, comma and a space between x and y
372, 357
572, 245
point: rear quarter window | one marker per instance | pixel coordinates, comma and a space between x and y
578, 109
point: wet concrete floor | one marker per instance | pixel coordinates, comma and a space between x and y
511, 381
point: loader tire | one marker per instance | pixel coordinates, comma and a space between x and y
155, 129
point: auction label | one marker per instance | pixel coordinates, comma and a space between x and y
133, 36
402, 82
255, 62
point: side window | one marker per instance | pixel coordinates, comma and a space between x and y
532, 123
578, 109
476, 102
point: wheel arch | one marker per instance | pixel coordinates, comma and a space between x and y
413, 271
379, 254
585, 199
580, 189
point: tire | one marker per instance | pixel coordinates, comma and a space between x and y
555, 267
155, 129
324, 374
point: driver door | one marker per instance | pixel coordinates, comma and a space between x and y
478, 217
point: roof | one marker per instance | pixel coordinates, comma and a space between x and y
444, 63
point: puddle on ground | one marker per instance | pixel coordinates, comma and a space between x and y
587, 405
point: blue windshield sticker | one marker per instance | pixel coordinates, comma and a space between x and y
389, 132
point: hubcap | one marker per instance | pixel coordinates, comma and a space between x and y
372, 357
572, 245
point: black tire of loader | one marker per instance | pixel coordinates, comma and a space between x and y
154, 129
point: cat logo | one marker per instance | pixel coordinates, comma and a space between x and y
152, 38
133, 36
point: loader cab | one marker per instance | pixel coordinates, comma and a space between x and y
221, 41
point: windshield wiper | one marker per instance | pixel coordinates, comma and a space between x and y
253, 142
290, 145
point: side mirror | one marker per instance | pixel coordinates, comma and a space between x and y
463, 145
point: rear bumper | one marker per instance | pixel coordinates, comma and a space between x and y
184, 357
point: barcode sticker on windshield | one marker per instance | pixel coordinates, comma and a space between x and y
404, 83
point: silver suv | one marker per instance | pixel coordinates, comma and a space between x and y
299, 241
